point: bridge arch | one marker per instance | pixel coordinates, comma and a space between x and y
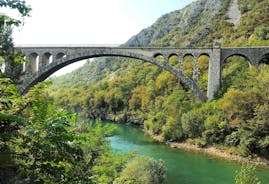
264, 59
173, 60
159, 57
202, 70
172, 55
60, 55
188, 64
204, 54
46, 59
155, 55
64, 60
253, 54
239, 55
33, 62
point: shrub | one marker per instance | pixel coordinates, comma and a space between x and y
232, 139
247, 175
142, 170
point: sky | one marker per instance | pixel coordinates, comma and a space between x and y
89, 22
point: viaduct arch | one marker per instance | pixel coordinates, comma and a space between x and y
42, 61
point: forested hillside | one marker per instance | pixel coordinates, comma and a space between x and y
131, 91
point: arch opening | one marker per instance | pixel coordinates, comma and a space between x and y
188, 64
46, 59
61, 55
24, 65
235, 57
265, 59
159, 57
173, 60
203, 66
234, 73
3, 67
33, 62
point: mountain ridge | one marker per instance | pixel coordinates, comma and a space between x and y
175, 20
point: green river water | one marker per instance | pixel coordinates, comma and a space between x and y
183, 167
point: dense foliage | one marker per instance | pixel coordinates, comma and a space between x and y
45, 144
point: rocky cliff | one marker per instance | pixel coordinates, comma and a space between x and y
181, 23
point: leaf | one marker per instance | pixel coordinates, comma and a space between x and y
13, 118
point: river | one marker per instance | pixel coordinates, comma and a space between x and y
183, 167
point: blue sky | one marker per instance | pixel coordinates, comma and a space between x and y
90, 21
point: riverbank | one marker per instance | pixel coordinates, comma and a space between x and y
209, 150
182, 166
213, 151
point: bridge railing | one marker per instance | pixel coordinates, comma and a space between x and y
64, 45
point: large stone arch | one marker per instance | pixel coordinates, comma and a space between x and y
253, 54
224, 59
70, 58
248, 61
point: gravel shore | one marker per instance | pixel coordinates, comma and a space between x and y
215, 152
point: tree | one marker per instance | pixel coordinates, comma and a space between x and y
47, 145
10, 123
142, 170
262, 33
172, 130
8, 54
155, 123
247, 175
141, 98
239, 105
255, 132
192, 124
18, 5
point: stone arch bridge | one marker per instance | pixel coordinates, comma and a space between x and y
42, 61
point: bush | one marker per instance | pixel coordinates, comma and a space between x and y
155, 123
200, 142
232, 139
172, 130
192, 124
247, 175
142, 170
190, 141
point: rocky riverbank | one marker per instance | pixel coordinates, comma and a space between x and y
213, 151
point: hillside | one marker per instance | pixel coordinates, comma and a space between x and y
131, 91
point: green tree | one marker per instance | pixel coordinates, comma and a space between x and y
141, 98
155, 123
142, 170
172, 130
247, 175
48, 146
192, 124
239, 105
255, 132
10, 56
